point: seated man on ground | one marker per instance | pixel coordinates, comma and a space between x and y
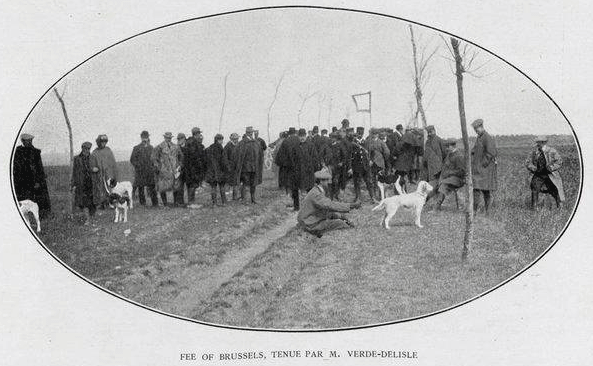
452, 173
319, 214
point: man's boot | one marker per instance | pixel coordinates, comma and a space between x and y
213, 195
252, 194
222, 195
242, 192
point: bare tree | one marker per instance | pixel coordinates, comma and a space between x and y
223, 103
274, 101
421, 74
304, 98
320, 100
329, 111
464, 56
61, 100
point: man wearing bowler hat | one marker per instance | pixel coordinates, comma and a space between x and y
29, 176
544, 163
167, 159
483, 165
103, 167
81, 182
144, 170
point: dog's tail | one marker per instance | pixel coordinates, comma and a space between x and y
379, 206
398, 187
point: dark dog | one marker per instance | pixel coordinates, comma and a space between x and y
385, 179
119, 203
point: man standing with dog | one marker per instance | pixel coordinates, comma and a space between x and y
544, 163
144, 170
29, 175
81, 182
104, 168
452, 174
319, 214
379, 156
483, 165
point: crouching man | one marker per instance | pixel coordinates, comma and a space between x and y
544, 163
319, 214
452, 175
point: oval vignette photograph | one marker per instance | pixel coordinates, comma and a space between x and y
296, 169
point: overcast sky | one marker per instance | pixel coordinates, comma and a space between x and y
172, 80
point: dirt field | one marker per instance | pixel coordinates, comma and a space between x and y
247, 265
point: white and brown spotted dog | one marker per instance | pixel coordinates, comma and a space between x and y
386, 179
120, 204
29, 207
120, 188
414, 200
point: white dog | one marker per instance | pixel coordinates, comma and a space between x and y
120, 188
413, 200
28, 206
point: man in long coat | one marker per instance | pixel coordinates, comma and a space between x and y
103, 167
29, 175
404, 164
216, 169
452, 174
379, 157
340, 164
288, 159
483, 165
544, 163
81, 182
249, 162
144, 170
229, 151
195, 163
361, 168
167, 159
435, 152
179, 193
308, 162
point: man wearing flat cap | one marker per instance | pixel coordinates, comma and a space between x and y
195, 163
319, 214
483, 160
287, 160
81, 182
216, 170
544, 163
435, 152
249, 162
452, 174
29, 176
103, 167
144, 170
167, 160
229, 153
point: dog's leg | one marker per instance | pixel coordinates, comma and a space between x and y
126, 213
418, 213
388, 218
131, 199
37, 221
382, 189
116, 215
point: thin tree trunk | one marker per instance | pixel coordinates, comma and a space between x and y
61, 100
272, 104
469, 209
418, 93
223, 104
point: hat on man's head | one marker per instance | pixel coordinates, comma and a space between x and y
180, 136
360, 129
218, 137
334, 129
26, 136
195, 130
324, 131
324, 173
291, 131
478, 123
144, 134
450, 141
541, 138
350, 129
234, 135
373, 131
302, 132
168, 135
430, 128
86, 145
315, 129
399, 127
345, 122
102, 138
249, 129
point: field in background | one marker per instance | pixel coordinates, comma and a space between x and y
247, 265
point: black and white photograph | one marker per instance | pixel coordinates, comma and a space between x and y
294, 170
281, 169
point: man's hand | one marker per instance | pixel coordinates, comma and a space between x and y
95, 169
